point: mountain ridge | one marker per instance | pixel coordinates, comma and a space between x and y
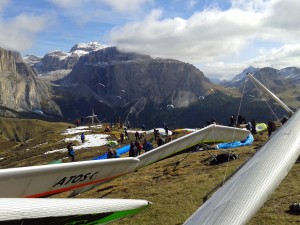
128, 86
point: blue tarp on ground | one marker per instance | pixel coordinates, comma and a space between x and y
120, 151
248, 141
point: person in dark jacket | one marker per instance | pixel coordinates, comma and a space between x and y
112, 153
133, 150
147, 146
126, 134
122, 137
271, 127
82, 137
253, 130
159, 141
137, 135
139, 146
71, 152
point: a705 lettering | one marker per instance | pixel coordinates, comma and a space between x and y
75, 178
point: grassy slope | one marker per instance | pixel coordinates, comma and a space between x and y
175, 192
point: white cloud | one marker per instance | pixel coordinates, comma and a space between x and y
278, 58
284, 16
192, 3
204, 37
212, 38
253, 5
223, 71
19, 32
213, 35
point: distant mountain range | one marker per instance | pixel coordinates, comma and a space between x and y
291, 74
128, 86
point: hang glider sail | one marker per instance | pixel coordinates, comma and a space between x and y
247, 190
46, 211
212, 133
46, 180
238, 200
272, 95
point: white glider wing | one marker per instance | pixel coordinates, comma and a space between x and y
211, 133
37, 211
46, 180
237, 201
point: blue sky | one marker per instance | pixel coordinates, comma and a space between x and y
220, 37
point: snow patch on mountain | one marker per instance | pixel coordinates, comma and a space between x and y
31, 59
243, 74
84, 48
290, 72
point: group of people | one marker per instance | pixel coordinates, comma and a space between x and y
136, 147
111, 153
237, 120
124, 135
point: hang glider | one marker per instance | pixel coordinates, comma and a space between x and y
46, 180
238, 200
212, 133
46, 211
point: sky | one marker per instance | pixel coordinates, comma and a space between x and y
220, 37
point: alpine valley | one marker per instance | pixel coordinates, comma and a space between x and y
126, 86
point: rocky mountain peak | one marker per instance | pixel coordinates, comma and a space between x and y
8, 61
59, 60
104, 73
241, 76
20, 89
32, 59
84, 48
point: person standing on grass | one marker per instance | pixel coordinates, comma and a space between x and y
126, 134
122, 138
271, 127
71, 152
139, 147
159, 141
137, 135
253, 130
82, 137
155, 133
133, 151
147, 146
167, 130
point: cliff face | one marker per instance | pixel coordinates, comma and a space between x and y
20, 88
119, 78
57, 60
